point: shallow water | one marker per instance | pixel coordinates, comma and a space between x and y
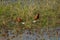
33, 36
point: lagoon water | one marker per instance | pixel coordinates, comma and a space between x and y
34, 36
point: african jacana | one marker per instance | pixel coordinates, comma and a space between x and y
18, 19
36, 17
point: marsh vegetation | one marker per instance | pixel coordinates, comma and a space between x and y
16, 16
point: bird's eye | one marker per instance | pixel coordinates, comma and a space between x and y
23, 22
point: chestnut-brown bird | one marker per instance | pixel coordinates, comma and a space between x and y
18, 19
36, 17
